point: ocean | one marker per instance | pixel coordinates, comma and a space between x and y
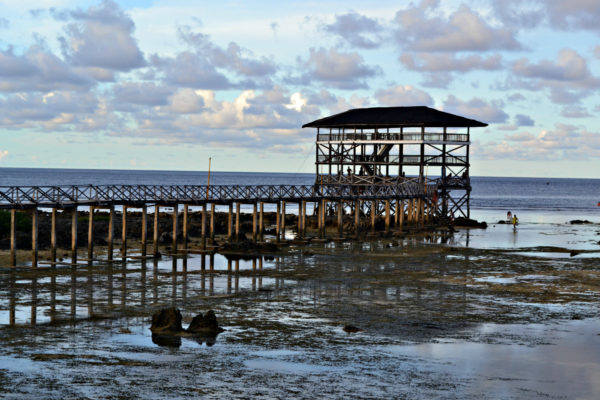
545, 195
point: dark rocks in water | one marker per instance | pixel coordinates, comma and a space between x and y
166, 321
351, 329
166, 340
247, 246
501, 222
580, 222
469, 223
205, 324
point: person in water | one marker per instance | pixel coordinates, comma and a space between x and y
509, 217
515, 221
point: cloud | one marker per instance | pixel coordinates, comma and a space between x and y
403, 96
564, 142
476, 108
357, 30
3, 154
597, 51
141, 93
525, 14
575, 112
569, 66
430, 62
102, 37
337, 69
573, 15
4, 23
524, 120
462, 30
38, 70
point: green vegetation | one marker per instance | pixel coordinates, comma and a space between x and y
23, 221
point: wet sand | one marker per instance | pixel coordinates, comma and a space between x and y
497, 317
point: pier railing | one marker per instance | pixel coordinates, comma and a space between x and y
106, 195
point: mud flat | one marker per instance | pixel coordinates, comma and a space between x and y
474, 316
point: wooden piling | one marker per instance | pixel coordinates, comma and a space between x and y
303, 218
175, 212
111, 232
261, 224
91, 233
203, 226
53, 236
277, 222
74, 235
299, 228
283, 220
124, 232
401, 210
373, 215
212, 223
185, 226
387, 216
13, 237
254, 231
230, 223
340, 216
155, 231
237, 221
357, 217
144, 229
34, 238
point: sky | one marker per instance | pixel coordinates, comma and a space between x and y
167, 84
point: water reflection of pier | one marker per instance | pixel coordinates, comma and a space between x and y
59, 295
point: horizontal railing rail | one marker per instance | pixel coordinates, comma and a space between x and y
108, 195
380, 136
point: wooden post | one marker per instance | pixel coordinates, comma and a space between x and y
387, 216
299, 224
397, 214
13, 237
203, 227
230, 223
261, 224
340, 217
373, 213
175, 212
185, 226
322, 216
144, 229
254, 222
401, 210
124, 233
34, 238
111, 231
237, 221
74, 235
53, 236
277, 222
155, 233
212, 223
357, 217
303, 218
91, 233
283, 220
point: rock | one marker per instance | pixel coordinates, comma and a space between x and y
166, 340
165, 237
166, 321
469, 223
351, 329
205, 324
580, 222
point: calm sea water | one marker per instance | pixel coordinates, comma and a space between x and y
549, 194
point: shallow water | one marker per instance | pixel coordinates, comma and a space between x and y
437, 319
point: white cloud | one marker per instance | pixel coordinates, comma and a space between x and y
487, 112
403, 96
357, 30
3, 154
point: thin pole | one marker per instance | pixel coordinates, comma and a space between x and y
254, 222
208, 182
175, 212
155, 233
185, 226
34, 238
13, 237
144, 228
74, 236
111, 231
53, 236
91, 233
124, 233
204, 226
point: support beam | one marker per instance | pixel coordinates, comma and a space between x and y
34, 238
237, 221
254, 231
111, 232
340, 216
124, 233
387, 216
299, 224
53, 236
91, 233
203, 227
397, 214
155, 230
373, 214
74, 235
401, 209
185, 226
277, 222
230, 223
303, 218
283, 220
175, 212
144, 229
13, 237
212, 223
261, 222
357, 217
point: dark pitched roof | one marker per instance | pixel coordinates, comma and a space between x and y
393, 117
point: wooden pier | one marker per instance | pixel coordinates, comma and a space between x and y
407, 202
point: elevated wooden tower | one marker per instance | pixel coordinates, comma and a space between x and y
389, 145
